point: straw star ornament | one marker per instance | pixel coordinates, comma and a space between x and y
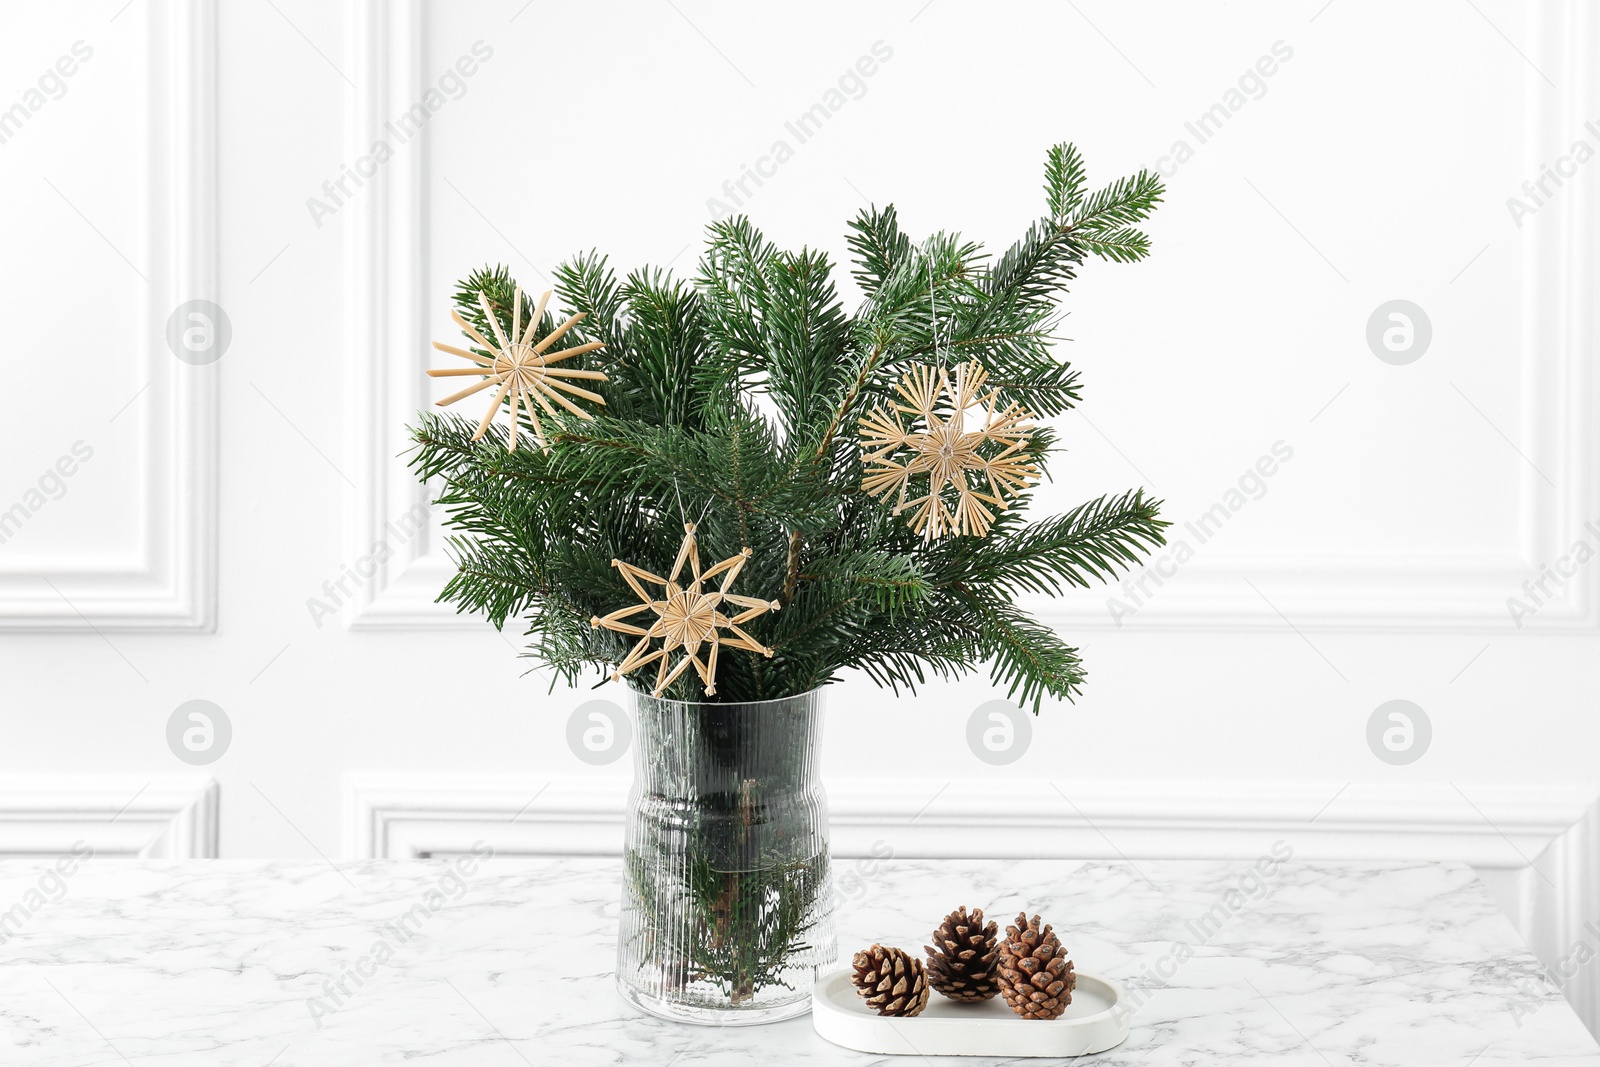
985, 468
522, 369
687, 618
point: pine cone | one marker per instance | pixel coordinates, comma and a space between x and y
892, 982
961, 958
1035, 975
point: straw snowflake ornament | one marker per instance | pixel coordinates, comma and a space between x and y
522, 369
687, 618
969, 472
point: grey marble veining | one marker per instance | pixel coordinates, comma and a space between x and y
295, 964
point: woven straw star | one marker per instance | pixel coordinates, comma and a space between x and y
687, 618
969, 472
521, 368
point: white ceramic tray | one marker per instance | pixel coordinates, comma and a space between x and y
1097, 1019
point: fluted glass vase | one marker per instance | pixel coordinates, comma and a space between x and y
726, 901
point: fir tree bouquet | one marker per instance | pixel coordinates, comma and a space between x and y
861, 477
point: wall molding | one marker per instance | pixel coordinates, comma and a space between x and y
410, 816
1556, 434
385, 286
1561, 901
168, 581
118, 816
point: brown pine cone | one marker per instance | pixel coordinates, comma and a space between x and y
961, 958
1036, 978
892, 982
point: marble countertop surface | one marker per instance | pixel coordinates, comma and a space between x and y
210, 963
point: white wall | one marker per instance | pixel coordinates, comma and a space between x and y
1226, 708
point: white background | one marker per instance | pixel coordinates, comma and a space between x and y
1229, 710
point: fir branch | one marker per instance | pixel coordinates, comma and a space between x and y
1091, 543
1064, 179
1026, 657
588, 285
732, 400
893, 583
878, 246
1104, 225
1124, 245
1122, 203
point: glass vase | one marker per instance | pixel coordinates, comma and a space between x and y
727, 911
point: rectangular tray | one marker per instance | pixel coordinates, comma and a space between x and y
1096, 1020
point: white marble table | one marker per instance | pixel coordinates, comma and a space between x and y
217, 963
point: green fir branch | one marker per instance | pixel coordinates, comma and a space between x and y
732, 400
